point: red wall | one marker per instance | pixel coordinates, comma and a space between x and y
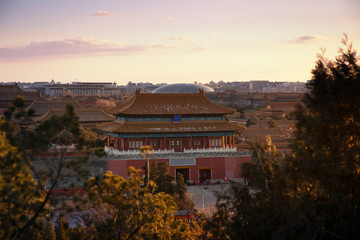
221, 167
233, 166
118, 167
121, 167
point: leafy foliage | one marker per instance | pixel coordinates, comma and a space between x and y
62, 229
49, 233
118, 208
91, 139
20, 196
313, 192
159, 174
25, 198
183, 201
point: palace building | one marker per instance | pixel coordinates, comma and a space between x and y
186, 130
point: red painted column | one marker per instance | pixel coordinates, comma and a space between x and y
164, 143
146, 141
108, 141
190, 143
126, 143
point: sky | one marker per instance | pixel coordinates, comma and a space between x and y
168, 41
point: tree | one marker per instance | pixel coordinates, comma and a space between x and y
313, 192
130, 211
256, 212
159, 174
18, 190
180, 188
327, 145
103, 103
62, 229
165, 183
219, 227
49, 233
182, 200
91, 139
27, 182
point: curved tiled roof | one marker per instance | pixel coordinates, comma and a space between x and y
168, 127
170, 104
84, 115
285, 107
42, 107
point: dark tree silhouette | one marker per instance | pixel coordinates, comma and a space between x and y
313, 193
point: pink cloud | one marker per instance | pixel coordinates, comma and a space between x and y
102, 13
307, 39
75, 47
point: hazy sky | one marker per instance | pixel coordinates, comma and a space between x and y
170, 41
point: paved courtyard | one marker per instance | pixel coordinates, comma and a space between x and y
205, 199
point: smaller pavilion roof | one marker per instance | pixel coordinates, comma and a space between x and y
84, 115
286, 107
10, 92
42, 107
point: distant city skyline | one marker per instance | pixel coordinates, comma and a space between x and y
164, 41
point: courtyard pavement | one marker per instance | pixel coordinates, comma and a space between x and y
205, 199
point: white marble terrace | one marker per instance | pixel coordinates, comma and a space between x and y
115, 152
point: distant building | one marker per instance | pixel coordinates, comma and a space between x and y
85, 89
257, 85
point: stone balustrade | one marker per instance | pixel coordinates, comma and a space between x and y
211, 150
112, 152
115, 152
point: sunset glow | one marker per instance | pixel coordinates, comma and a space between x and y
170, 41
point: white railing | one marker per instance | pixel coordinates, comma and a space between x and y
55, 146
211, 150
115, 152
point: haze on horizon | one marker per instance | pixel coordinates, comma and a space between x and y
170, 41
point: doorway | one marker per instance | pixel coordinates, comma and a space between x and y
204, 174
184, 172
